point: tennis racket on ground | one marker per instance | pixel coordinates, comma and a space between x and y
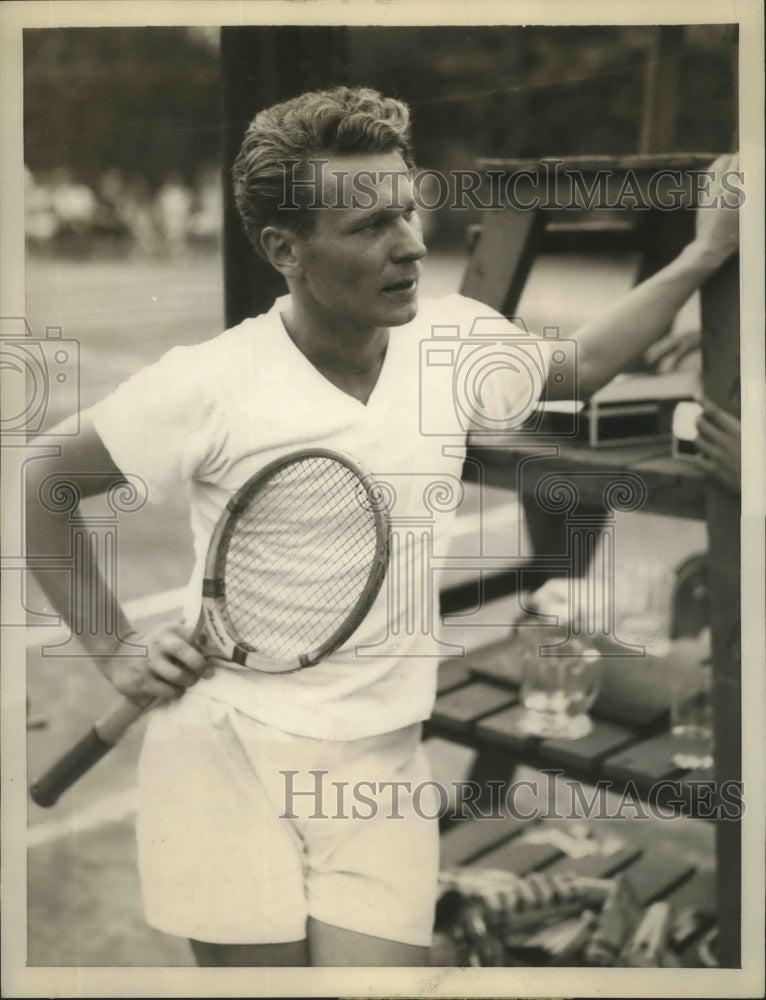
293, 566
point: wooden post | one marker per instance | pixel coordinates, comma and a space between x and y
261, 66
721, 380
663, 233
660, 111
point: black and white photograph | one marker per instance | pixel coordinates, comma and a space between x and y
383, 432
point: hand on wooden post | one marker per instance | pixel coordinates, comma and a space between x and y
719, 442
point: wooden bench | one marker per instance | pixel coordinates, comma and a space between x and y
628, 752
654, 874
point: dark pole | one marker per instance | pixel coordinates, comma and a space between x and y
261, 66
719, 299
661, 81
721, 379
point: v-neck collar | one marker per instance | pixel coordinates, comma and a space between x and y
317, 375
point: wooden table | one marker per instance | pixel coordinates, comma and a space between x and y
630, 749
629, 753
672, 486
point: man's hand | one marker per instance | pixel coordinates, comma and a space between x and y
674, 352
170, 666
717, 218
719, 442
626, 330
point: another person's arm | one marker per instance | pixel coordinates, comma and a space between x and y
170, 664
624, 331
719, 442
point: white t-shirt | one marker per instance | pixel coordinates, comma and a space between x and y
209, 416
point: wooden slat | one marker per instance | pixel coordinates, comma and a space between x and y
690, 792
698, 891
635, 691
673, 487
655, 874
597, 865
497, 664
586, 753
645, 762
520, 858
457, 710
502, 729
452, 674
467, 840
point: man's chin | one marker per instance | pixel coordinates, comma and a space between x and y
403, 314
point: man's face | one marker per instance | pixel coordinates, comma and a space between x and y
360, 263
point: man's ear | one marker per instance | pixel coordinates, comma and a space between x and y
280, 245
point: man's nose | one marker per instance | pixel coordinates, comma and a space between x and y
410, 245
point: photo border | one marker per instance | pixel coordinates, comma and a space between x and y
20, 981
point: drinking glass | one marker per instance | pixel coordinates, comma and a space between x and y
557, 688
691, 708
645, 607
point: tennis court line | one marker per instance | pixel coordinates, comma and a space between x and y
111, 809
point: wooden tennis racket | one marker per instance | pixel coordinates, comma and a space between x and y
293, 566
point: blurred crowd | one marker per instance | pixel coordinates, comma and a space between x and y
66, 215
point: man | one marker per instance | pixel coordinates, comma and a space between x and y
334, 363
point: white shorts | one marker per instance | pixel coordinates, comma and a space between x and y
233, 850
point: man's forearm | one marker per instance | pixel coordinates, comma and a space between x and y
624, 331
162, 662
46, 532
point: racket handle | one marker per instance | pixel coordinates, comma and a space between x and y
83, 755
47, 790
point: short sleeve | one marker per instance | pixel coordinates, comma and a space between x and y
165, 423
501, 371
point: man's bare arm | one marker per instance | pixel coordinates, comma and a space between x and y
170, 663
624, 331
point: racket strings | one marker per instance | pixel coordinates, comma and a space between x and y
300, 612
353, 558
299, 558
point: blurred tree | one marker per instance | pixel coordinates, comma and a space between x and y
147, 99
543, 90
142, 99
534, 91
